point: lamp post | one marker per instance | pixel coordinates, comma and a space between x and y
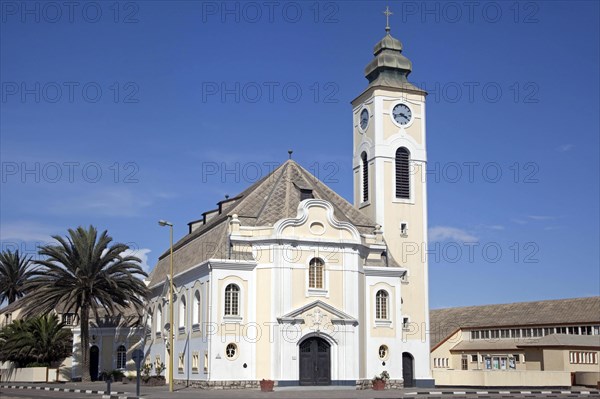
165, 223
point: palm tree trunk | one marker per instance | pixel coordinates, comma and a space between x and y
85, 339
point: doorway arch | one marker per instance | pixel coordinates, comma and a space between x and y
94, 361
408, 367
315, 361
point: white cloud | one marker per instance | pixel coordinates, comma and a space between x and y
28, 231
494, 226
141, 253
565, 147
541, 218
444, 233
118, 202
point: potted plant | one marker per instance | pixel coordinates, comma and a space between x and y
379, 381
266, 385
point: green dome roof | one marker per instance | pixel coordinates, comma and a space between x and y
389, 63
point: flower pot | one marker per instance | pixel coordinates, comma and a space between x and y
378, 385
267, 385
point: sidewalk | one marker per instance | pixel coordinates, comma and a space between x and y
127, 391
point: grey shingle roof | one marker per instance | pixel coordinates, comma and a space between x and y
539, 313
272, 198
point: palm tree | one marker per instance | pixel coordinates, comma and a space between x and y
83, 274
14, 272
41, 339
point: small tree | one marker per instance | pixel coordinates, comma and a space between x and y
14, 272
40, 340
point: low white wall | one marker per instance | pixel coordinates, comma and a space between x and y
587, 378
29, 374
513, 378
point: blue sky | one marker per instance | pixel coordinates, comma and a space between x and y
120, 115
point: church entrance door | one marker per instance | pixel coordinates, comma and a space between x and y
315, 362
407, 370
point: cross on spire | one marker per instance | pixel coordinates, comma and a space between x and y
387, 13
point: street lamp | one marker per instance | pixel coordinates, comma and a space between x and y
165, 223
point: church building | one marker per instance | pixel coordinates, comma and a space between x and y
288, 281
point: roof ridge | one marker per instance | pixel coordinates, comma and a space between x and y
517, 303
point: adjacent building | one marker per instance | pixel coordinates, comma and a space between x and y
542, 343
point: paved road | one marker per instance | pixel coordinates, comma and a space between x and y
282, 394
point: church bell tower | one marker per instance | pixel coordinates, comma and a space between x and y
389, 167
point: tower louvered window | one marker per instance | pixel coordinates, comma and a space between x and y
402, 173
365, 177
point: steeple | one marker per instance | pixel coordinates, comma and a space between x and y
390, 67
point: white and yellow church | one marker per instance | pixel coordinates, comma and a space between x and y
288, 281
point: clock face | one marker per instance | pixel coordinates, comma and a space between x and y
364, 119
402, 114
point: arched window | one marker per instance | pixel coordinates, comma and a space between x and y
121, 357
232, 300
159, 321
196, 308
315, 273
402, 173
182, 311
381, 305
149, 324
365, 177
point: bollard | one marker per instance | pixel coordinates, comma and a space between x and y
108, 381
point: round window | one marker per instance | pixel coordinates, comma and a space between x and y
231, 351
383, 352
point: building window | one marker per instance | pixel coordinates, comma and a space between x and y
205, 362
505, 333
402, 173
182, 313
365, 177
474, 358
464, 362
515, 333
158, 321
381, 305
573, 330
121, 357
495, 333
231, 351
232, 300
583, 357
68, 319
315, 273
383, 352
196, 311
195, 361
474, 335
181, 362
517, 358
